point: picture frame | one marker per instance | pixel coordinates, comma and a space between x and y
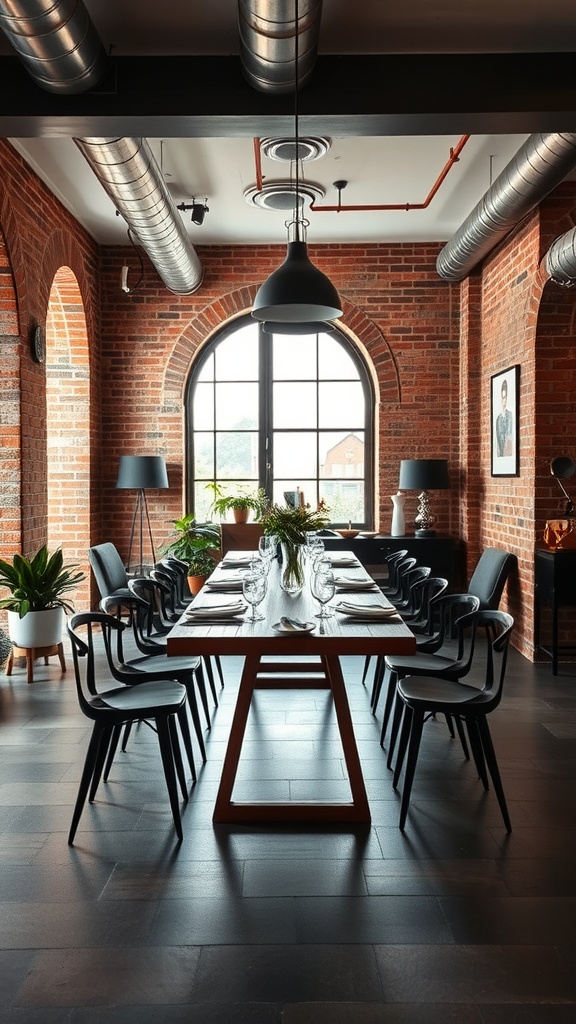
504, 422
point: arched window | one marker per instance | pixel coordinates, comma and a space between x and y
281, 412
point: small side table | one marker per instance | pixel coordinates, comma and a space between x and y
31, 654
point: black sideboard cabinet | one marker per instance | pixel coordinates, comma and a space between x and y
439, 552
555, 583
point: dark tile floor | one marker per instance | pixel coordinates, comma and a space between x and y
453, 922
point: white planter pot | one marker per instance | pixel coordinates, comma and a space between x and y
36, 629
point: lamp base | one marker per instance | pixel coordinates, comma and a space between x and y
424, 533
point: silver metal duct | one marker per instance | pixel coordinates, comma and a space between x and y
560, 261
128, 171
56, 41
267, 30
538, 167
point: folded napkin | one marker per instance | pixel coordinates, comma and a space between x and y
294, 625
229, 562
349, 583
367, 612
343, 560
216, 611
226, 583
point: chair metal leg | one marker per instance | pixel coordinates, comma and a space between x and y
169, 772
398, 708
367, 661
476, 746
402, 745
186, 738
116, 733
413, 748
390, 693
126, 736
492, 764
177, 757
218, 663
210, 676
379, 673
86, 778
462, 737
201, 684
193, 705
105, 738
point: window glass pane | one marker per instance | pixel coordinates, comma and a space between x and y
294, 405
207, 371
237, 355
295, 455
345, 500
341, 405
202, 502
236, 406
237, 456
334, 363
294, 357
203, 456
341, 454
203, 407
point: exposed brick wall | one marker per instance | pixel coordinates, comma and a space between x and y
431, 347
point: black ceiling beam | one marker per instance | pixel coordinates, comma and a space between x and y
349, 95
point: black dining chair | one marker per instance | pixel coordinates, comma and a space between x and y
174, 604
110, 707
489, 577
406, 601
109, 571
470, 705
155, 665
424, 595
449, 655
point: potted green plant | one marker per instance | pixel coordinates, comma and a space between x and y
37, 601
290, 526
196, 544
240, 504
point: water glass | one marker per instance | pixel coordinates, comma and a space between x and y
323, 588
254, 585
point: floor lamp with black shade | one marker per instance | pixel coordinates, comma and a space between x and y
141, 473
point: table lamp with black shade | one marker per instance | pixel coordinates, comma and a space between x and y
141, 473
424, 475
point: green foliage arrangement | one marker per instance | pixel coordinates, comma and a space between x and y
255, 502
195, 544
290, 525
38, 584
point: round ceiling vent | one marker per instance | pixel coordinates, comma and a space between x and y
279, 195
310, 147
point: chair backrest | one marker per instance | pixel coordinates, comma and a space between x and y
498, 627
489, 577
425, 592
180, 572
147, 614
108, 568
80, 628
453, 615
410, 579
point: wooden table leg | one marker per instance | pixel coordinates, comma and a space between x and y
227, 810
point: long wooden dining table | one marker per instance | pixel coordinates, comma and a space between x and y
318, 666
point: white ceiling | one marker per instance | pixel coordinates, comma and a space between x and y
380, 170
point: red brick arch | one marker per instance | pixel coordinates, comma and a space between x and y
363, 332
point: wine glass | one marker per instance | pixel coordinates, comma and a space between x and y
254, 585
323, 589
267, 547
315, 547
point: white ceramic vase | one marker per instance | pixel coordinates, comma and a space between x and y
36, 629
398, 528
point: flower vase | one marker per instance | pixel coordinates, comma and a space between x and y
398, 528
292, 567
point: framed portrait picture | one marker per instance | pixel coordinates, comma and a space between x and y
504, 421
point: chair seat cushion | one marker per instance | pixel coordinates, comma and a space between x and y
416, 663
142, 698
161, 663
428, 690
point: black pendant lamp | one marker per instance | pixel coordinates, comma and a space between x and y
297, 292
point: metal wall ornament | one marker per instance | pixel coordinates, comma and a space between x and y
504, 422
38, 343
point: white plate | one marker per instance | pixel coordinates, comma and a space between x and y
279, 628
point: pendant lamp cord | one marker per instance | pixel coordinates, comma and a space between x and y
296, 41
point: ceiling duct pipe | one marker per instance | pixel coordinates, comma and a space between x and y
267, 42
127, 170
56, 41
538, 167
560, 260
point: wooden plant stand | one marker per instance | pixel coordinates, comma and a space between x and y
31, 654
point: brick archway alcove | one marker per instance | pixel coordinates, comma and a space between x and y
67, 423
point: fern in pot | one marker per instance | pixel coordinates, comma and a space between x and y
39, 589
198, 546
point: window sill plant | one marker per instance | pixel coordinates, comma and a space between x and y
198, 546
241, 505
37, 601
